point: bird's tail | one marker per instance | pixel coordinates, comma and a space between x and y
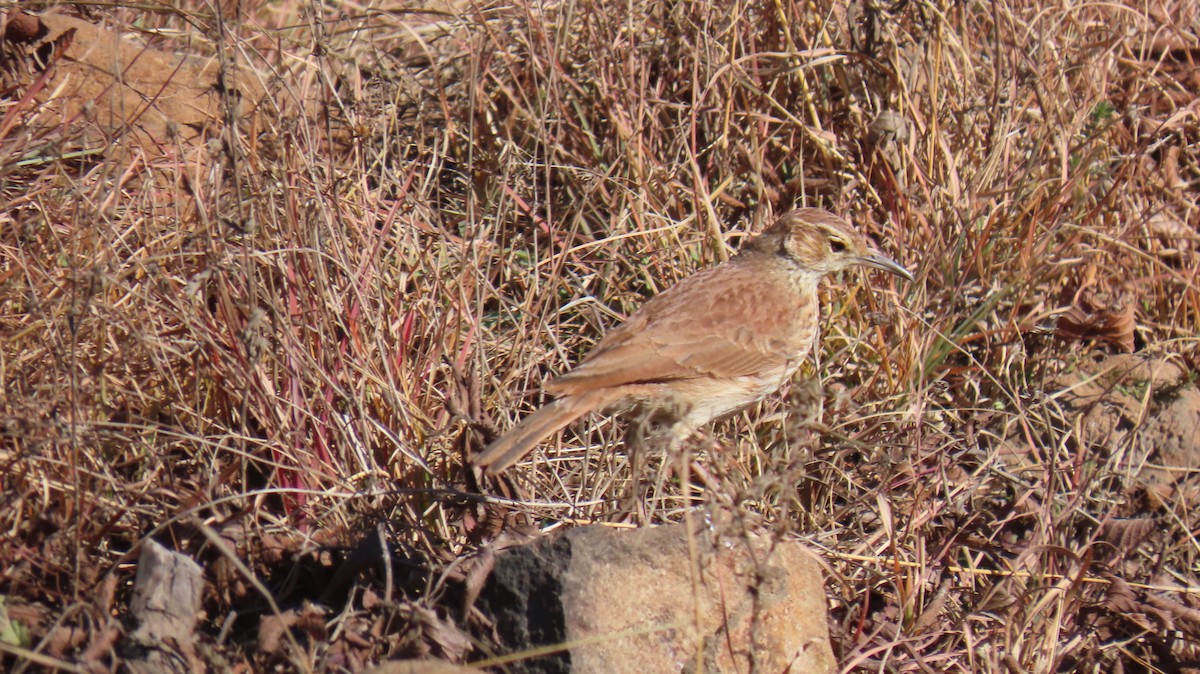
525, 436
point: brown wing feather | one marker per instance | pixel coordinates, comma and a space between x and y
688, 332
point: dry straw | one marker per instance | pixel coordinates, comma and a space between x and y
307, 320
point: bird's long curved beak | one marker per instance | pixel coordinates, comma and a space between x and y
881, 261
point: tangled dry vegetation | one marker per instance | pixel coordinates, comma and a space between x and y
287, 325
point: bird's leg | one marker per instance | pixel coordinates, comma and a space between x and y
656, 430
632, 501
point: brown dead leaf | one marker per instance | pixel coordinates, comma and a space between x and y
312, 621
452, 643
65, 638
272, 628
1176, 236
369, 599
476, 573
106, 80
101, 648
934, 608
1103, 316
1170, 169
1150, 613
1122, 601
1186, 618
1127, 534
1120, 598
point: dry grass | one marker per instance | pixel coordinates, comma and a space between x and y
289, 334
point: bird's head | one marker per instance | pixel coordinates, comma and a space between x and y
820, 242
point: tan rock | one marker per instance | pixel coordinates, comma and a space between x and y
650, 600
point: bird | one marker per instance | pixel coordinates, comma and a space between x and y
717, 341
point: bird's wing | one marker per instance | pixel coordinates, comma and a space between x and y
692, 330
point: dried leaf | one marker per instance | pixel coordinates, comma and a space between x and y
1176, 235
477, 574
1099, 316
1170, 169
312, 621
1186, 618
453, 643
1127, 534
271, 629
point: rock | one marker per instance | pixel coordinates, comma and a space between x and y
633, 601
164, 610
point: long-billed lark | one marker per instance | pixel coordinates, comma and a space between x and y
717, 341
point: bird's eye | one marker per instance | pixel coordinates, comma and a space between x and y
837, 245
